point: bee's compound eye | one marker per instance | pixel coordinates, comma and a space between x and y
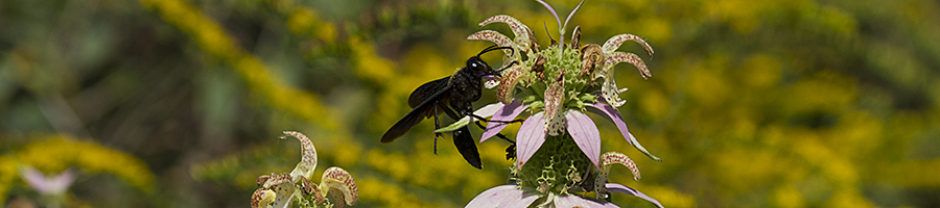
473, 65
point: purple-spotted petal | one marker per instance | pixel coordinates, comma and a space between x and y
627, 190
609, 91
502, 196
336, 179
262, 198
490, 84
500, 118
491, 81
572, 200
611, 158
275, 189
614, 42
47, 185
613, 115
585, 134
308, 156
530, 137
498, 38
521, 32
554, 111
518, 29
508, 82
620, 57
275, 180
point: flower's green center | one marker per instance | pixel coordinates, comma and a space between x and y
561, 60
567, 61
558, 167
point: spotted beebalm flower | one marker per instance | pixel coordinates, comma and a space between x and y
558, 147
336, 189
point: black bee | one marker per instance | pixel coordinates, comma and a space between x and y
455, 92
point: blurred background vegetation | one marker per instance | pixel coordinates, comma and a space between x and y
178, 103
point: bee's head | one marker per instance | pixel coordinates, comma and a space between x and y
476, 65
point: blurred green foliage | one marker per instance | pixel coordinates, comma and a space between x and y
752, 103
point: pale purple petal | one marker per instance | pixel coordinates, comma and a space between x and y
45, 185
585, 134
613, 115
572, 200
530, 137
627, 190
488, 110
500, 118
502, 196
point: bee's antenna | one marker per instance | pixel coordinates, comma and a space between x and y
493, 48
487, 49
506, 67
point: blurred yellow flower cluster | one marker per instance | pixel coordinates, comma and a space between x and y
55, 153
8, 173
215, 42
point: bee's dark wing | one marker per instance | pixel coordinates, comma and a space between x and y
422, 109
427, 90
467, 147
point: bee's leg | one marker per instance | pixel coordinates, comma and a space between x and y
437, 125
469, 111
511, 152
448, 111
500, 135
497, 121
